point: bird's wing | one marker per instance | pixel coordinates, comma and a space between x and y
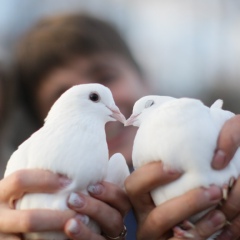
18, 159
118, 170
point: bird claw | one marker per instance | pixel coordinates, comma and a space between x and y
232, 182
225, 192
227, 187
183, 231
180, 233
187, 225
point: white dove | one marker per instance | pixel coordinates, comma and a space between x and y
72, 142
182, 133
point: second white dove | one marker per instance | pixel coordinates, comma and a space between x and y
182, 133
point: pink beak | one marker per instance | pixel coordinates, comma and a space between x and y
116, 114
131, 120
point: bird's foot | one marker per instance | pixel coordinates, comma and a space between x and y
225, 192
182, 231
227, 187
231, 182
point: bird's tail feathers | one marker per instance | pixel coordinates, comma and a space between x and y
118, 170
217, 104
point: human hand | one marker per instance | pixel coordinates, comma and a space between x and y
107, 206
157, 222
14, 186
13, 222
231, 209
228, 142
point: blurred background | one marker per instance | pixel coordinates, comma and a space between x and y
187, 48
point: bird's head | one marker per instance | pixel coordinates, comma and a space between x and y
143, 107
94, 100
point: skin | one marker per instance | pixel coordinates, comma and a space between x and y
156, 222
127, 87
228, 143
20, 182
14, 186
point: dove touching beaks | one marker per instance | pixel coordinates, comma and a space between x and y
72, 142
182, 133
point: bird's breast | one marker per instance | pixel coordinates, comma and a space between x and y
176, 140
80, 155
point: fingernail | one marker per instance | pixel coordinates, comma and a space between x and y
75, 200
216, 219
83, 218
219, 159
96, 188
73, 227
213, 193
64, 181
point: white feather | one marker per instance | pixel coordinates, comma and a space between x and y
182, 133
72, 142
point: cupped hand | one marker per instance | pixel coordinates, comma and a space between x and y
227, 145
157, 222
107, 200
107, 205
13, 222
231, 209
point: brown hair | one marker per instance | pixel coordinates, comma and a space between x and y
54, 41
7, 91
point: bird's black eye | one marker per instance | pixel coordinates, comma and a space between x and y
94, 97
149, 103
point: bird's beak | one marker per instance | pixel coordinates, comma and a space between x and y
130, 121
116, 114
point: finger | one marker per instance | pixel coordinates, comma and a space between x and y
9, 237
208, 225
76, 230
109, 219
231, 231
111, 194
170, 213
228, 142
33, 220
140, 183
231, 208
15, 185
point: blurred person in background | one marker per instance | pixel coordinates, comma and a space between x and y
58, 53
1, 96
6, 105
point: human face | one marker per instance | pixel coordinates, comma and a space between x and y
110, 70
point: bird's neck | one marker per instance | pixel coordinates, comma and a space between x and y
73, 122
